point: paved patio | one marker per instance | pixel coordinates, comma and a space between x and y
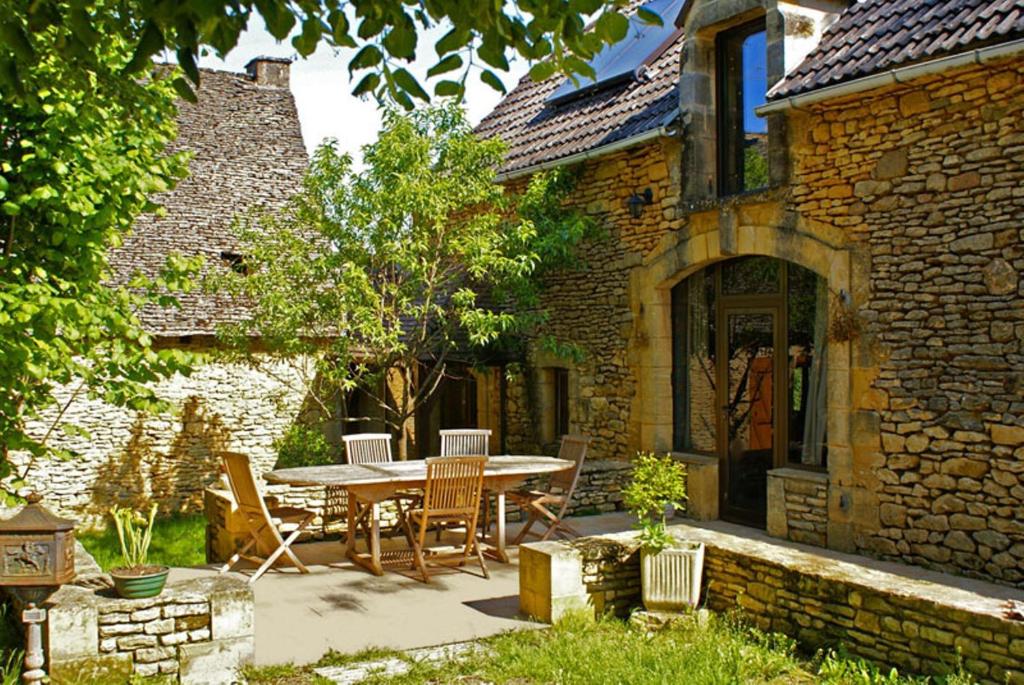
342, 607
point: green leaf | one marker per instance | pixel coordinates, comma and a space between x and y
13, 37
150, 43
368, 84
648, 17
277, 17
400, 41
542, 70
184, 89
368, 56
612, 27
455, 39
187, 62
11, 208
408, 83
489, 77
449, 63
448, 88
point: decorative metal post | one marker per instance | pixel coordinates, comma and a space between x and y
37, 556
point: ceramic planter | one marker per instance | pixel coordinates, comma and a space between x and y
133, 585
670, 579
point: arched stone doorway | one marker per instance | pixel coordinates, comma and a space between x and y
749, 374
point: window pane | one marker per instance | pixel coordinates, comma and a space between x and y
755, 130
694, 400
751, 276
807, 314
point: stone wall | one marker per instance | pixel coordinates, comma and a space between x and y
877, 610
197, 631
603, 386
130, 458
798, 505
929, 179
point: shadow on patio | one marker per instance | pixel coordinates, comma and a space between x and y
343, 607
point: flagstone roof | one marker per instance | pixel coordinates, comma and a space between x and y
247, 152
875, 35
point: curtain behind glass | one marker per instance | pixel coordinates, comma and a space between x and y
813, 452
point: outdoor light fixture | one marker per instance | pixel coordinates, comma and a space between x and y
637, 202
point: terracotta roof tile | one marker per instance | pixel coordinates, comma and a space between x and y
538, 132
875, 35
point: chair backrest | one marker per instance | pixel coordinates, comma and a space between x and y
367, 448
573, 448
453, 486
250, 503
465, 442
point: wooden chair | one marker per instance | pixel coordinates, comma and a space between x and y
465, 442
266, 526
561, 487
375, 448
451, 495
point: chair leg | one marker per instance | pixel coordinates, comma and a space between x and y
267, 564
417, 549
526, 529
237, 556
480, 558
290, 554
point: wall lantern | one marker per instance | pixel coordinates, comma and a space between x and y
37, 556
637, 202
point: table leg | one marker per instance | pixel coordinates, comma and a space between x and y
378, 568
351, 506
498, 550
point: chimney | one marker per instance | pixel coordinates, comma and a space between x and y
271, 72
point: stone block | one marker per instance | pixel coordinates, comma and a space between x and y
701, 485
72, 626
232, 608
109, 668
550, 580
214, 663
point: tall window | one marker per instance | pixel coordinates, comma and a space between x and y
742, 85
560, 381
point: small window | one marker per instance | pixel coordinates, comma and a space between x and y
236, 262
560, 381
742, 86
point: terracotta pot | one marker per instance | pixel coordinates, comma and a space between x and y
131, 584
670, 579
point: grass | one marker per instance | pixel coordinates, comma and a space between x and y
177, 541
577, 651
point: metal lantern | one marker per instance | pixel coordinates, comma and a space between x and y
37, 556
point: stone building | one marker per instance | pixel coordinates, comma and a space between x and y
247, 152
810, 286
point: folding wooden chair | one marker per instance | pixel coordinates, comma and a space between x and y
465, 442
451, 495
561, 487
375, 448
266, 545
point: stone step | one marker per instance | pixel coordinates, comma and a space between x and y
353, 673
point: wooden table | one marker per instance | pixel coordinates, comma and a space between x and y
375, 483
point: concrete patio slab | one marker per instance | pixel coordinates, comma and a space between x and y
342, 607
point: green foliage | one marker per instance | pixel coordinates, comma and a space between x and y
12, 643
657, 482
82, 151
837, 666
303, 446
176, 541
383, 35
134, 532
386, 275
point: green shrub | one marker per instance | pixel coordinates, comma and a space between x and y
303, 445
657, 483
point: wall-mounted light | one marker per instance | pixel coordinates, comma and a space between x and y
637, 202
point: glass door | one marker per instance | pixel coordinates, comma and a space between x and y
748, 397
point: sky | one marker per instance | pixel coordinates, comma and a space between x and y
323, 91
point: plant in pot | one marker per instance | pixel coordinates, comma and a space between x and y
670, 568
137, 578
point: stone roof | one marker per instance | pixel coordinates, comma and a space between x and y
872, 36
247, 152
538, 132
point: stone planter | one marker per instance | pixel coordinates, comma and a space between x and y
139, 586
670, 579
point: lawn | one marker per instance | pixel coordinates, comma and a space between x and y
177, 541
578, 651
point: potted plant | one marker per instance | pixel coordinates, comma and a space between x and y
670, 568
136, 579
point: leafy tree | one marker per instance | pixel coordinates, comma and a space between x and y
386, 276
384, 33
81, 153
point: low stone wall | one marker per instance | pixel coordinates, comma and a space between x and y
912, 618
197, 631
798, 505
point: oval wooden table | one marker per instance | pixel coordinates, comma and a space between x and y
368, 485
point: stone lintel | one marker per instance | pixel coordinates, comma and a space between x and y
793, 473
